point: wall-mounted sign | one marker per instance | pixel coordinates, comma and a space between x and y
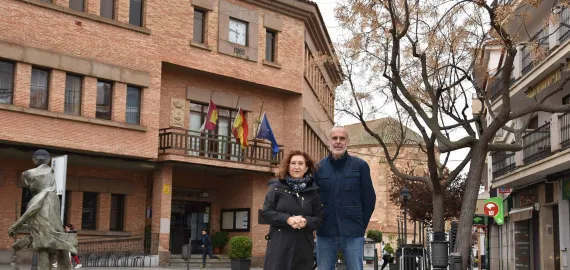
505, 190
190, 194
166, 188
494, 208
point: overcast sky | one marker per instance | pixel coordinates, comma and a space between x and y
327, 10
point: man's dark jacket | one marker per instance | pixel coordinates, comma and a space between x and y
347, 194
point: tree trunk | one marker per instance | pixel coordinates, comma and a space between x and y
473, 183
438, 222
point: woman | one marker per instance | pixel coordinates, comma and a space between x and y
69, 228
293, 209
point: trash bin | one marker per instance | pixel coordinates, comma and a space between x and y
369, 249
439, 250
455, 261
185, 254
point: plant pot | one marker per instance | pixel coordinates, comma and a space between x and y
241, 264
340, 266
217, 250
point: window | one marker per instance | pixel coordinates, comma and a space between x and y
107, 9
133, 105
104, 97
199, 26
235, 220
6, 81
73, 94
533, 124
27, 195
566, 100
270, 42
220, 141
117, 212
89, 214
135, 12
78, 5
39, 89
238, 32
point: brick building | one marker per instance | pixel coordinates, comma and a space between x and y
122, 88
386, 214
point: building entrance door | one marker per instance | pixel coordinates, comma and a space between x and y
187, 220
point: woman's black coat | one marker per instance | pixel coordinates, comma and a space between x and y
288, 248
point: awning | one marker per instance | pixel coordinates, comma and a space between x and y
520, 214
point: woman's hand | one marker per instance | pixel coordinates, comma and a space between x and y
297, 222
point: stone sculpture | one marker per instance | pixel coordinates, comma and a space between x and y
43, 218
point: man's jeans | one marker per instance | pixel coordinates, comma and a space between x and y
352, 250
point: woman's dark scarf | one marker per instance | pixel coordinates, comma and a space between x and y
298, 184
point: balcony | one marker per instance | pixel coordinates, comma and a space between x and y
527, 56
545, 150
191, 143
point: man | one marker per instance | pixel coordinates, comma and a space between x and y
348, 198
207, 248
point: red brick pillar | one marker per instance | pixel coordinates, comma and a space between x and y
104, 212
161, 207
57, 91
119, 102
89, 97
75, 208
22, 82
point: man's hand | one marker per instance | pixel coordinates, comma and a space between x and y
297, 222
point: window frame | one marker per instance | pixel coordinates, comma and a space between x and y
12, 80
110, 100
120, 213
113, 7
235, 210
204, 26
141, 13
48, 78
81, 78
82, 5
274, 39
95, 210
140, 90
566, 100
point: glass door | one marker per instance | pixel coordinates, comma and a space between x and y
188, 219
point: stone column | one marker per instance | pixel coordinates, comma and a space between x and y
517, 71
519, 158
555, 144
161, 210
554, 33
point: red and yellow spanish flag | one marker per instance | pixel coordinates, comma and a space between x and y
211, 118
240, 128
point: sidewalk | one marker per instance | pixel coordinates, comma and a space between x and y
26, 267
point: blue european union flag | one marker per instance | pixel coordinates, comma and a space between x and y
265, 132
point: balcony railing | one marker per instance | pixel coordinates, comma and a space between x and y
527, 58
564, 31
564, 122
195, 143
503, 163
496, 85
536, 144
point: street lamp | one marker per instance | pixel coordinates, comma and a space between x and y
405, 196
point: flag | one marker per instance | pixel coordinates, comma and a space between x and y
239, 129
265, 132
211, 118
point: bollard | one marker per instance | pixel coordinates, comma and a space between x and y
35, 261
375, 257
455, 261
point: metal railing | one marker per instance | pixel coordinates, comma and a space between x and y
564, 30
564, 122
536, 144
496, 85
503, 163
527, 61
195, 143
125, 251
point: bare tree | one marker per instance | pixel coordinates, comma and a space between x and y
424, 61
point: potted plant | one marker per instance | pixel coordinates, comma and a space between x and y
240, 252
219, 241
340, 265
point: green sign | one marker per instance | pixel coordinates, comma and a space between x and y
494, 208
566, 190
479, 220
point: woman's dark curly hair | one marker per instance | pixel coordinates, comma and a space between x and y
284, 166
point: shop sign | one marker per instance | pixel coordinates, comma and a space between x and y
494, 208
505, 190
166, 188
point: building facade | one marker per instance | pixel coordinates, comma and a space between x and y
122, 87
534, 181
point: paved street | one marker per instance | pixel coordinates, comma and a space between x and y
25, 267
